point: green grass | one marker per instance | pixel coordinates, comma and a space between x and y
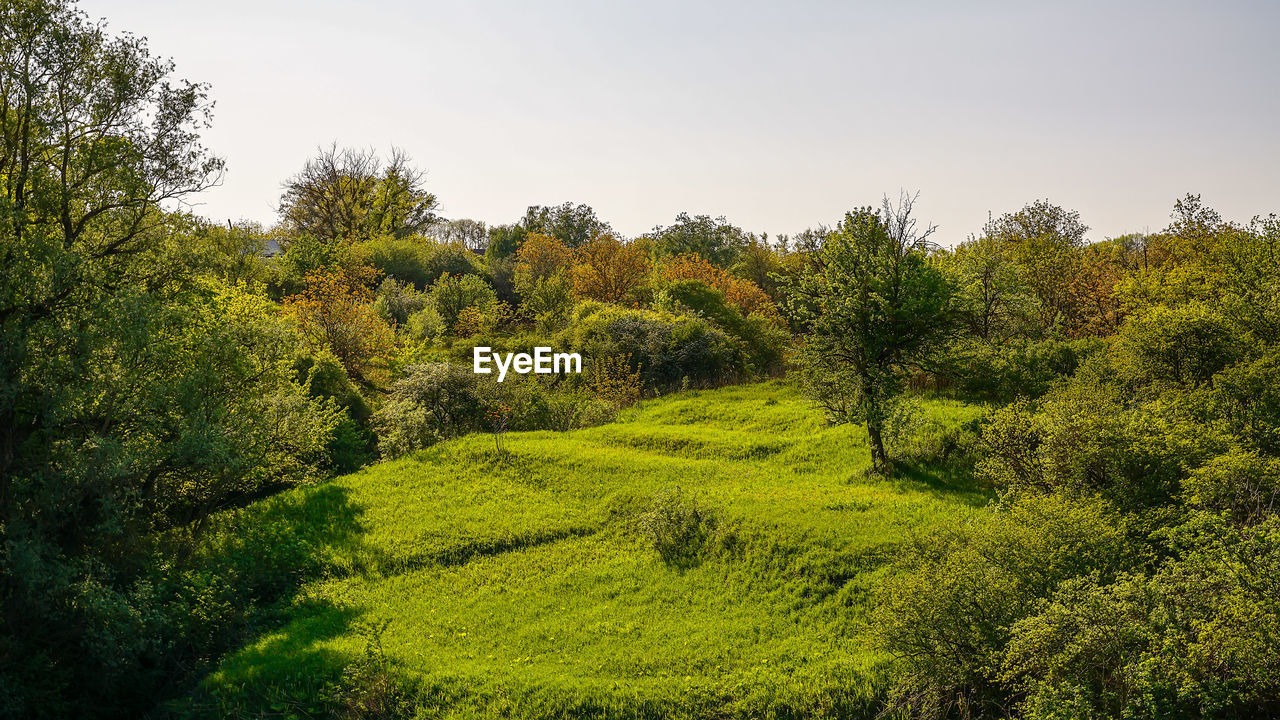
521, 586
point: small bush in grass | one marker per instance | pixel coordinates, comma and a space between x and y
369, 688
678, 527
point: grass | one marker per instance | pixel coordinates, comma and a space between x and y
521, 585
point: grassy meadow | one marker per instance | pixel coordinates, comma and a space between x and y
521, 585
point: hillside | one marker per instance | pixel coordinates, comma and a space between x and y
523, 585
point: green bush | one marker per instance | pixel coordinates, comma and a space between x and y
396, 302
431, 403
1194, 639
1179, 347
763, 342
416, 261
1003, 371
1084, 438
451, 295
438, 401
678, 527
670, 351
947, 609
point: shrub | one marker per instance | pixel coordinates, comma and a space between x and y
741, 293
415, 261
1241, 485
548, 302
1175, 348
1017, 367
431, 403
763, 341
947, 610
677, 527
352, 443
396, 301
665, 348
426, 324
334, 312
451, 295
1084, 439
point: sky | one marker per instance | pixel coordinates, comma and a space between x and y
779, 116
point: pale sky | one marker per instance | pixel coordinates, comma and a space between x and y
778, 116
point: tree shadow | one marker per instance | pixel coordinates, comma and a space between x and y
952, 481
248, 632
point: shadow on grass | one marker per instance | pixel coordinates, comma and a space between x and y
243, 582
953, 481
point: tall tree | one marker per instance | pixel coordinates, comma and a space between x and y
609, 269
871, 306
712, 239
1045, 240
353, 195
573, 225
134, 396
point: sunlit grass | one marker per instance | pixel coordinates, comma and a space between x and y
520, 584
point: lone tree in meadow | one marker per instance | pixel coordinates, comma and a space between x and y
870, 306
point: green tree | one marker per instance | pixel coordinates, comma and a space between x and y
135, 396
871, 307
1045, 241
352, 195
573, 225
712, 239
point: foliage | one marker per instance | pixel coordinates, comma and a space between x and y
947, 612
503, 241
395, 302
743, 294
573, 225
713, 239
429, 404
609, 270
351, 195
871, 308
549, 302
677, 527
414, 261
334, 312
541, 256
669, 351
452, 295
763, 341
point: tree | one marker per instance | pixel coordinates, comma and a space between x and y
1045, 241
504, 240
713, 239
541, 256
335, 310
991, 300
743, 294
352, 195
608, 269
472, 234
135, 396
872, 306
573, 224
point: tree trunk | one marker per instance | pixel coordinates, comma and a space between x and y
879, 459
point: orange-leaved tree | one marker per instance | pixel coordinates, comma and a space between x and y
335, 311
739, 292
541, 256
608, 269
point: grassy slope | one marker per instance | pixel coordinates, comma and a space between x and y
521, 586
